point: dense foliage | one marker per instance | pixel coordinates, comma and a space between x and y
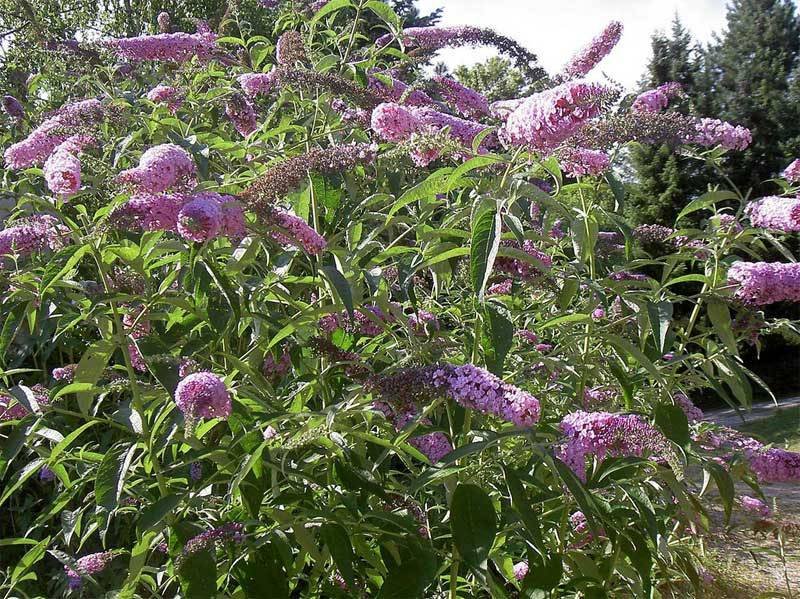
281, 320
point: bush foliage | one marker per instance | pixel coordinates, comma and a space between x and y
259, 342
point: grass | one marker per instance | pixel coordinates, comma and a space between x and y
781, 428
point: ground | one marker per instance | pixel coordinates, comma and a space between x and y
753, 559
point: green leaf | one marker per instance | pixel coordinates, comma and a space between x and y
660, 315
673, 423
416, 558
429, 187
522, 505
338, 543
110, 476
198, 575
384, 12
474, 524
51, 276
484, 242
329, 8
501, 336
30, 559
263, 571
469, 165
725, 487
568, 291
720, 316
562, 320
154, 514
90, 369
704, 201
135, 565
341, 286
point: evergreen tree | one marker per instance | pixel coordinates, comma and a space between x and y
667, 181
752, 67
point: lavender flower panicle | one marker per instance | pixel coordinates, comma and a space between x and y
166, 47
288, 175
602, 434
430, 39
544, 120
161, 167
777, 213
762, 283
71, 119
203, 395
468, 102
591, 55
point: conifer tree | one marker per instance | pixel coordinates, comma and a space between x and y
751, 66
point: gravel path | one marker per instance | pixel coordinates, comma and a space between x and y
729, 416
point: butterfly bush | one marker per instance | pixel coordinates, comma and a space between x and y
309, 329
762, 283
162, 167
781, 214
166, 47
591, 55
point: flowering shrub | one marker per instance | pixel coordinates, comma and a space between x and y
282, 319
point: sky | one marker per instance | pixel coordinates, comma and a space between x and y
555, 29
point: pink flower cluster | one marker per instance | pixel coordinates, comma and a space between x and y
11, 409
423, 323
396, 123
203, 395
69, 120
466, 101
254, 84
478, 389
397, 90
578, 162
367, 321
473, 387
434, 446
198, 217
62, 169
166, 47
501, 288
88, 565
293, 230
603, 434
34, 234
714, 132
762, 283
693, 413
276, 369
165, 94
526, 335
544, 120
435, 38
232, 532
161, 167
755, 506
656, 100
589, 57
772, 464
13, 108
595, 396
65, 373
242, 114
519, 267
520, 570
780, 214
792, 172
